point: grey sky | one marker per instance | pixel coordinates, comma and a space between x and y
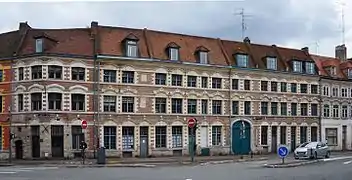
291, 23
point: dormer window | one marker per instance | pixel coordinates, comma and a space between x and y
39, 45
349, 73
131, 45
297, 66
132, 48
242, 60
203, 57
333, 71
310, 68
173, 54
271, 63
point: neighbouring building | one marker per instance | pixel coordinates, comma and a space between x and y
7, 48
139, 87
336, 91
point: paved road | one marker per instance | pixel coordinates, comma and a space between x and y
338, 169
334, 169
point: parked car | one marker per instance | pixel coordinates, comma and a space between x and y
312, 150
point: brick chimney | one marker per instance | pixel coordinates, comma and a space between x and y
341, 52
24, 27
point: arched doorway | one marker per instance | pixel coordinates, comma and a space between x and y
241, 137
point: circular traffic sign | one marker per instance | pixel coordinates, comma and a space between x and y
84, 124
191, 123
282, 151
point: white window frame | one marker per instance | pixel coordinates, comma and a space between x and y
132, 49
297, 66
203, 57
242, 60
310, 68
326, 110
174, 55
39, 45
271, 63
344, 112
335, 111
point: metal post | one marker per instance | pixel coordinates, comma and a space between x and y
10, 137
192, 145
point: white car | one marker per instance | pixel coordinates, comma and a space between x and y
312, 150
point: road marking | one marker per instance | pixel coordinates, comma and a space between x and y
338, 158
7, 172
40, 168
188, 179
347, 162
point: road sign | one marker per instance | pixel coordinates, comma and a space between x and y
282, 151
84, 124
191, 123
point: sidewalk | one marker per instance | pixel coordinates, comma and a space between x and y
138, 162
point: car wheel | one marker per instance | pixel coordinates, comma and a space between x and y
315, 155
296, 157
327, 154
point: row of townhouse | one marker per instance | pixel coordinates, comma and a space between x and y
137, 88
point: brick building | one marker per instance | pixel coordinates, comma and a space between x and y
336, 75
138, 87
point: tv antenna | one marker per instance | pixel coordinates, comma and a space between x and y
316, 45
243, 21
343, 26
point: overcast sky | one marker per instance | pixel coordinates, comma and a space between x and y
290, 23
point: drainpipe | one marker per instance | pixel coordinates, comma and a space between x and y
94, 102
10, 111
321, 108
230, 110
98, 98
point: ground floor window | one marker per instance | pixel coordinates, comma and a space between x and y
264, 135
160, 136
331, 136
177, 136
216, 135
303, 134
283, 135
77, 136
110, 137
314, 134
127, 138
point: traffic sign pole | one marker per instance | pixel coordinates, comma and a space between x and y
192, 145
192, 125
282, 152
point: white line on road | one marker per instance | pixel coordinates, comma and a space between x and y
338, 158
8, 172
347, 162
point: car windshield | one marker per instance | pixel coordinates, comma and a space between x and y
312, 144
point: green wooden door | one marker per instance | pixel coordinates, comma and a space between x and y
241, 137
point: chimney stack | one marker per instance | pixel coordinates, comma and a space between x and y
23, 27
306, 50
341, 52
247, 40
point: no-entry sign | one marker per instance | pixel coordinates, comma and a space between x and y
84, 124
191, 122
